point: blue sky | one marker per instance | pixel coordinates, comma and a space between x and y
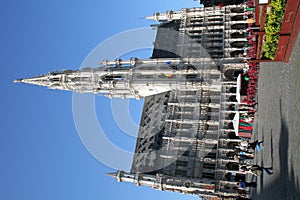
42, 156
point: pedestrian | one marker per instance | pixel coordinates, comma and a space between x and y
241, 158
242, 192
256, 145
257, 170
243, 146
246, 155
244, 184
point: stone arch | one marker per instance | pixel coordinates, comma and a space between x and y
232, 73
237, 10
236, 53
230, 154
237, 35
232, 135
232, 90
238, 177
231, 107
231, 145
238, 44
239, 26
228, 176
230, 125
237, 17
231, 116
232, 166
232, 99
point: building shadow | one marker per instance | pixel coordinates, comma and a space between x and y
284, 186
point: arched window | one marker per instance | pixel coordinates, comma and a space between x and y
230, 154
237, 10
231, 145
232, 166
238, 35
236, 53
237, 18
232, 90
238, 44
231, 116
230, 125
232, 99
232, 135
239, 26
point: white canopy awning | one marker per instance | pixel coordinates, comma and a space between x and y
236, 121
238, 89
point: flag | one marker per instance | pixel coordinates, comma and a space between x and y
169, 75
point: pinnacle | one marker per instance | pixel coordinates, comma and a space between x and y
113, 175
18, 80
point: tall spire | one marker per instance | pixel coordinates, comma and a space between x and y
132, 78
38, 80
51, 80
64, 80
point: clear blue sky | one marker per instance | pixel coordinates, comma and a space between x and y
42, 156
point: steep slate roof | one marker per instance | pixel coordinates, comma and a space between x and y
154, 112
150, 134
165, 45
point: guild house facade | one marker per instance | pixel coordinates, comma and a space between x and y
189, 90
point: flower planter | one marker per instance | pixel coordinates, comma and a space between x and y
289, 30
289, 16
281, 48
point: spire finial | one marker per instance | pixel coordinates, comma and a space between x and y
18, 80
153, 17
113, 175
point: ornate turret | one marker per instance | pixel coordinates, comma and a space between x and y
163, 182
167, 16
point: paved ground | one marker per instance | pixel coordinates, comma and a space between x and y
277, 123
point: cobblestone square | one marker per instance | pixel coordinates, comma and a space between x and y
277, 125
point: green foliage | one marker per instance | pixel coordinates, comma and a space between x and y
273, 25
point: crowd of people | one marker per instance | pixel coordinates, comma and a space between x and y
250, 75
245, 150
243, 153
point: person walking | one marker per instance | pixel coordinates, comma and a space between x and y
256, 170
244, 184
256, 145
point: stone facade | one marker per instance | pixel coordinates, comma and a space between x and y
189, 88
186, 135
209, 3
